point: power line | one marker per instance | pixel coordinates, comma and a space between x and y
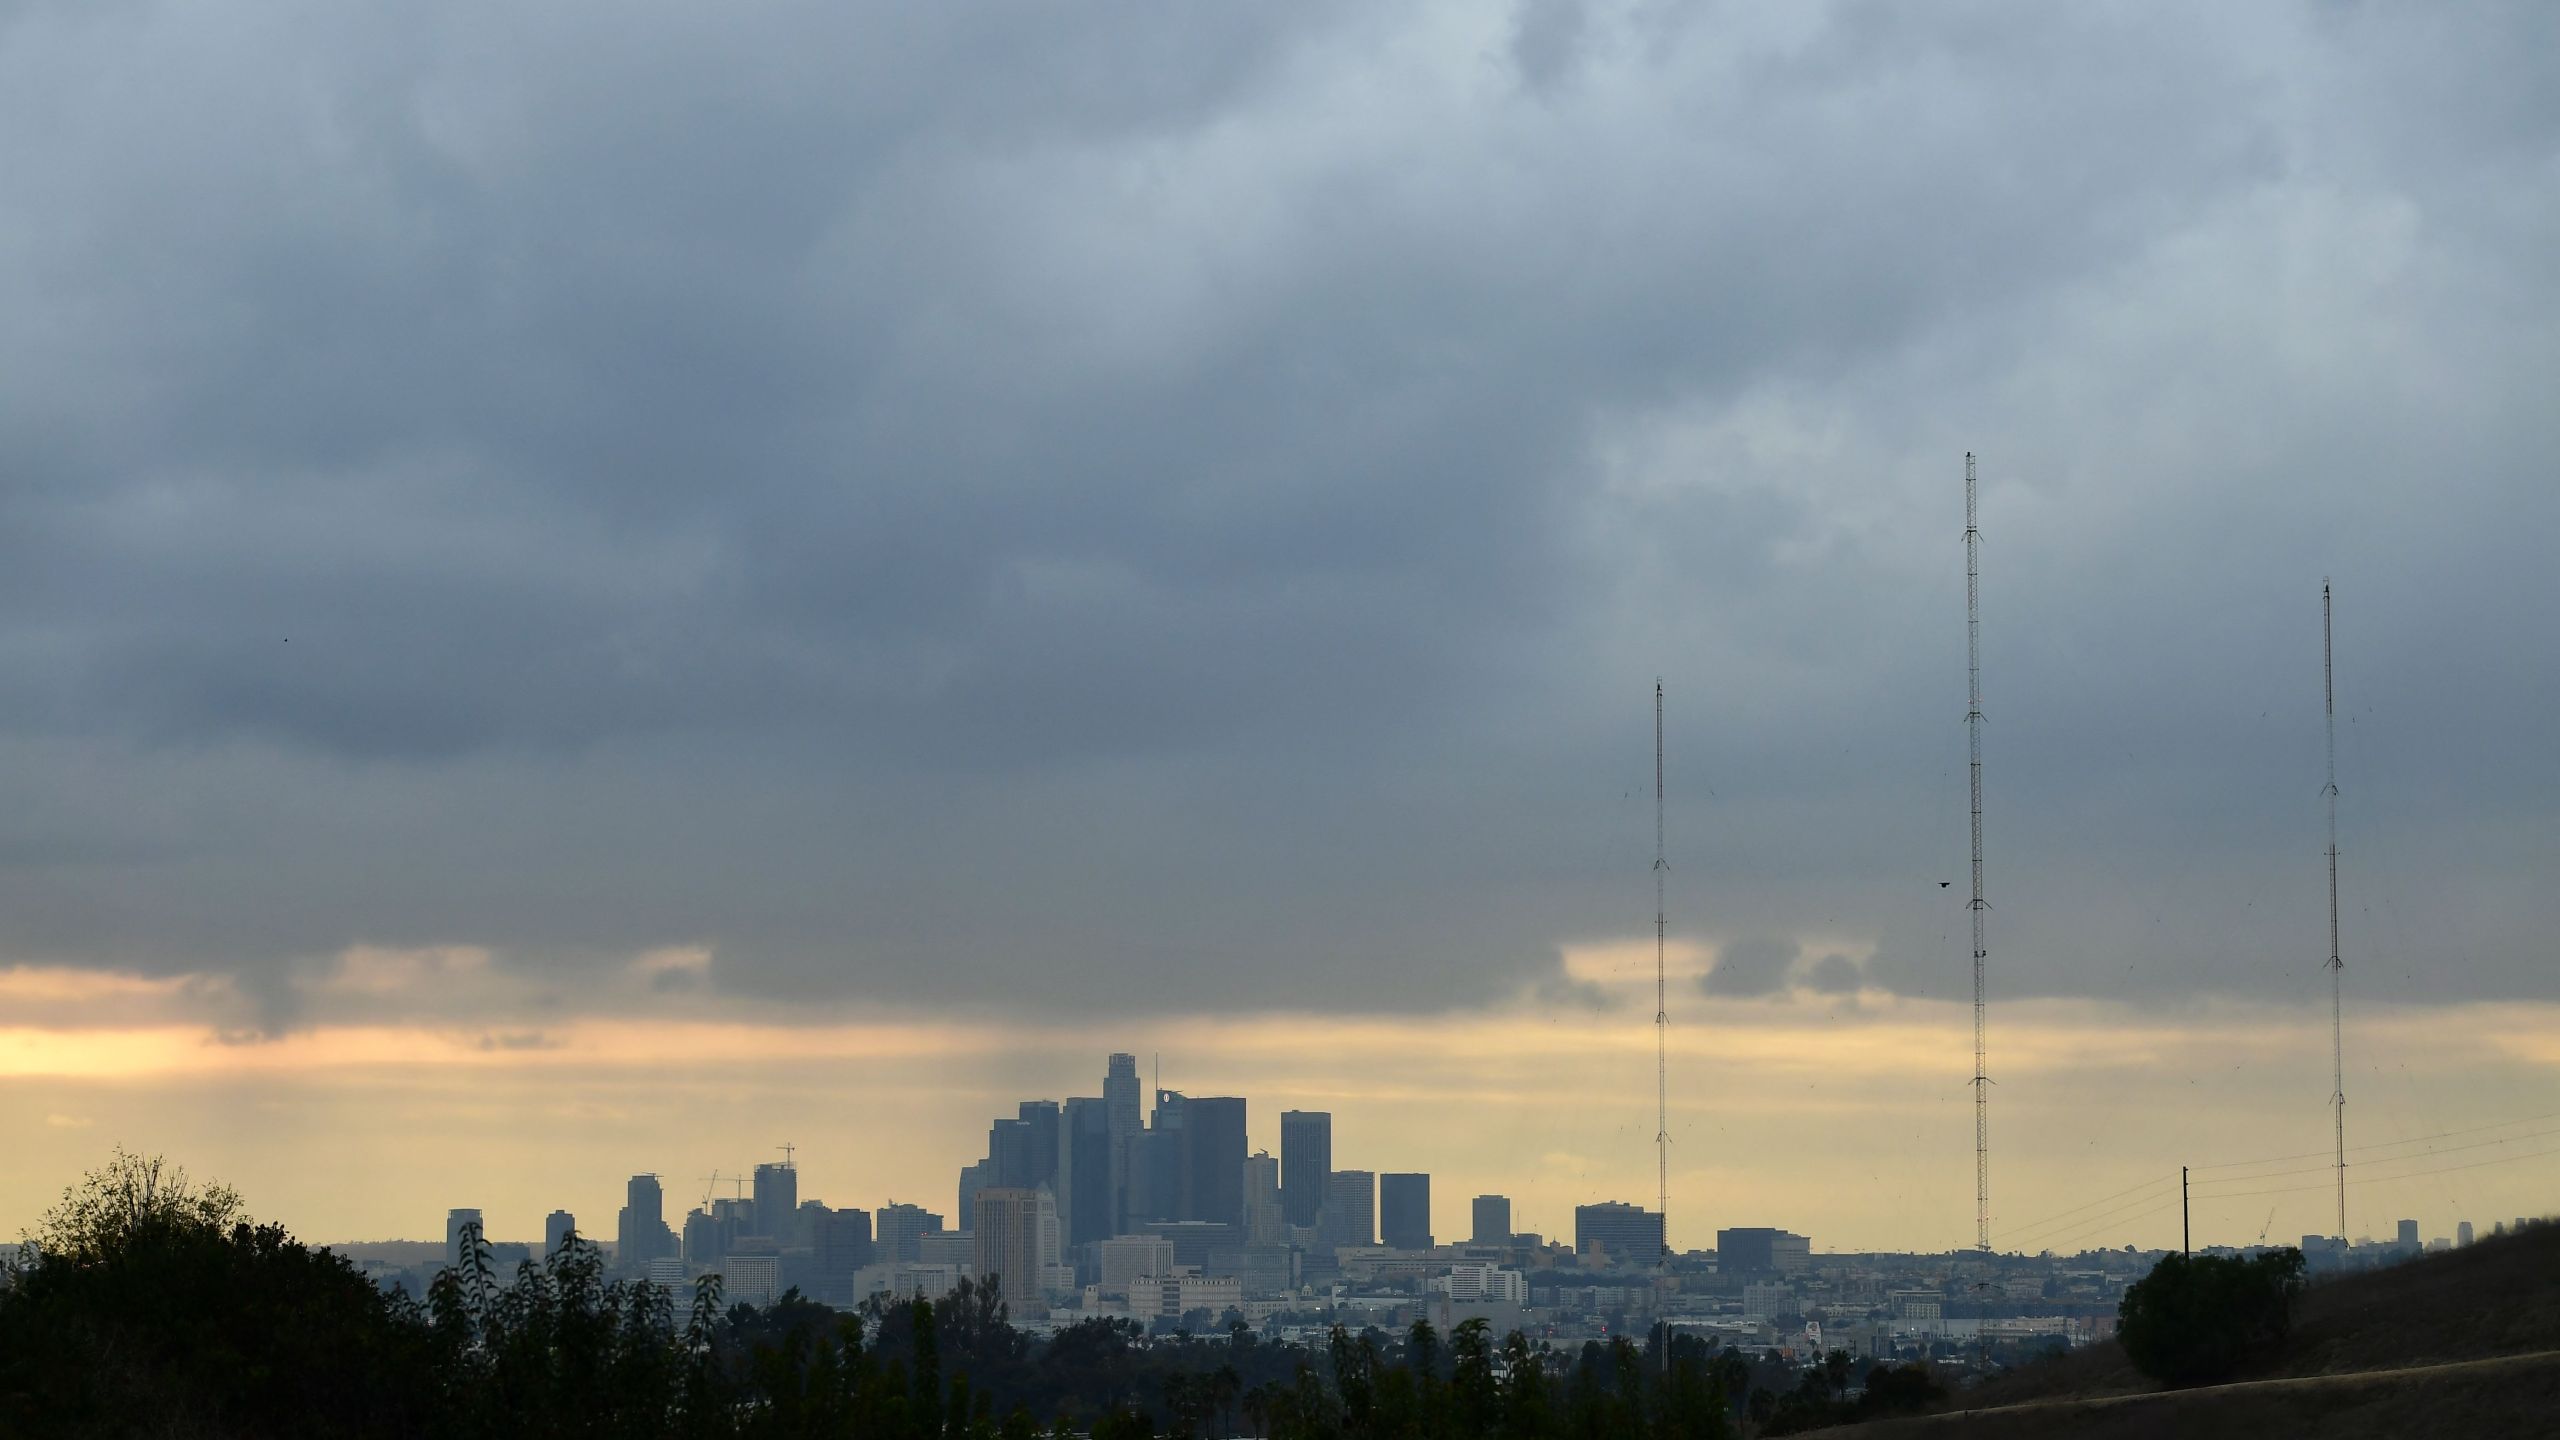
2389, 1159
2386, 1179
2076, 1209
2085, 1223
2388, 1144
2073, 1237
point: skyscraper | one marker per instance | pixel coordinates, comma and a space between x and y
1404, 1211
557, 1227
973, 1178
1493, 1220
1039, 1159
843, 1245
640, 1232
462, 1220
1350, 1214
1306, 1159
777, 1195
1086, 1193
1214, 1149
1120, 1101
1006, 1237
897, 1227
1265, 1223
1627, 1234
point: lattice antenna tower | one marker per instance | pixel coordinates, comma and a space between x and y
1661, 1009
2337, 967
1981, 907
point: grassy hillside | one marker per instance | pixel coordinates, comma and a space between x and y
2464, 1343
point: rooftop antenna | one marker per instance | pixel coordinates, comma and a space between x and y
1973, 733
2337, 967
787, 1147
1661, 1015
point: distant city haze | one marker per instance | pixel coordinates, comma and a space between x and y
588, 592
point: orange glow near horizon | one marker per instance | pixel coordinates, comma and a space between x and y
1845, 1116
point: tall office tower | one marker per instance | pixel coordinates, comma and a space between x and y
640, 1232
804, 1226
2408, 1235
729, 1220
456, 1220
1306, 1159
557, 1227
1350, 1213
974, 1178
1160, 1163
1039, 1120
842, 1240
1214, 1148
1008, 1156
1006, 1242
777, 1195
2462, 1234
1630, 1235
1265, 1221
898, 1226
1120, 1100
1155, 1179
1085, 1189
1404, 1211
1493, 1220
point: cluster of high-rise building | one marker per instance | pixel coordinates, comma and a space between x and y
1120, 1203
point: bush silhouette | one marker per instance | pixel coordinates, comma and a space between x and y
2194, 1318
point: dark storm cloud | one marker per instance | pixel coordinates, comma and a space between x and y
1180, 508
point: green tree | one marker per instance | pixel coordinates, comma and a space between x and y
145, 1304
2193, 1319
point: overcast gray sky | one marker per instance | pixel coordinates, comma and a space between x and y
1118, 508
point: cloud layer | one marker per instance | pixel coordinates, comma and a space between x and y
1180, 511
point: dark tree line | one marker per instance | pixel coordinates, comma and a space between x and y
150, 1307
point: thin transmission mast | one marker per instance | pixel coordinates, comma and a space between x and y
2337, 967
1973, 733
1661, 1012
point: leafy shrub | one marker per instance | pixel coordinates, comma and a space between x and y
2194, 1318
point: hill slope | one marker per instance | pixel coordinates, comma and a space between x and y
2465, 1343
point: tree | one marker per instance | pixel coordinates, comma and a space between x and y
148, 1305
129, 1197
2193, 1319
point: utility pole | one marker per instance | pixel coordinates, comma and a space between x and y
2337, 967
1973, 733
2186, 1236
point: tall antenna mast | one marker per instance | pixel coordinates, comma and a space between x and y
1973, 733
2337, 967
1661, 1005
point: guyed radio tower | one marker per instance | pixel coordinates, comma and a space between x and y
2337, 967
1973, 733
1661, 1008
